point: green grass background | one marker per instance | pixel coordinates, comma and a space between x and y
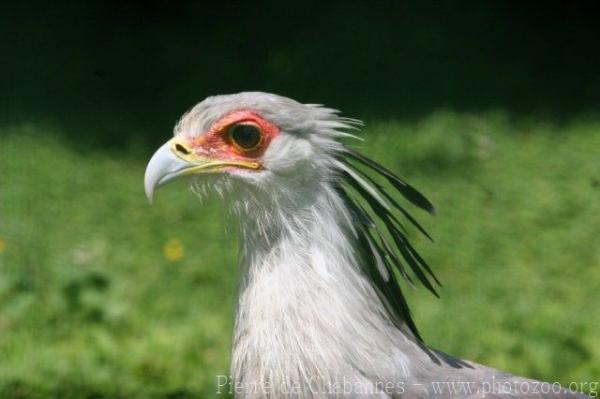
91, 307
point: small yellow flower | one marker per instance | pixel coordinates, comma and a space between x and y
173, 250
2, 244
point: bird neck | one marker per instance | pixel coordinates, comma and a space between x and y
304, 304
306, 235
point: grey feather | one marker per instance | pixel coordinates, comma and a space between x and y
322, 251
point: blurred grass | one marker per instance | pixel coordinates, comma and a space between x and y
102, 295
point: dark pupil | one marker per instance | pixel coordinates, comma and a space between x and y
246, 136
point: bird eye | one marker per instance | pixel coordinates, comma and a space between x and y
245, 136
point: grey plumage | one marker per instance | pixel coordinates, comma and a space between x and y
320, 310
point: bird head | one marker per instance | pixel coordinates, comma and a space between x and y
262, 142
274, 156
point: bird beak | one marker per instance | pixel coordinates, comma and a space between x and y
176, 158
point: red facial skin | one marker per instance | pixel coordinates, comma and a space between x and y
217, 144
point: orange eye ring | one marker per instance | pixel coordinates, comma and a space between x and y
245, 136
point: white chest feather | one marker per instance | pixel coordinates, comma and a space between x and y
306, 313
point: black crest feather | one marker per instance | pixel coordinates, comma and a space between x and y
377, 227
408, 191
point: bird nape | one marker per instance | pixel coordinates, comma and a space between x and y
320, 310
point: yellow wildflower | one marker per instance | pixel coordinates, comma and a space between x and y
173, 250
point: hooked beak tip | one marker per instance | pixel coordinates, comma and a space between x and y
150, 197
162, 164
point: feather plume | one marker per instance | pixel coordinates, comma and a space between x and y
377, 224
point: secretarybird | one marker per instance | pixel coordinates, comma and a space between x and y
320, 312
